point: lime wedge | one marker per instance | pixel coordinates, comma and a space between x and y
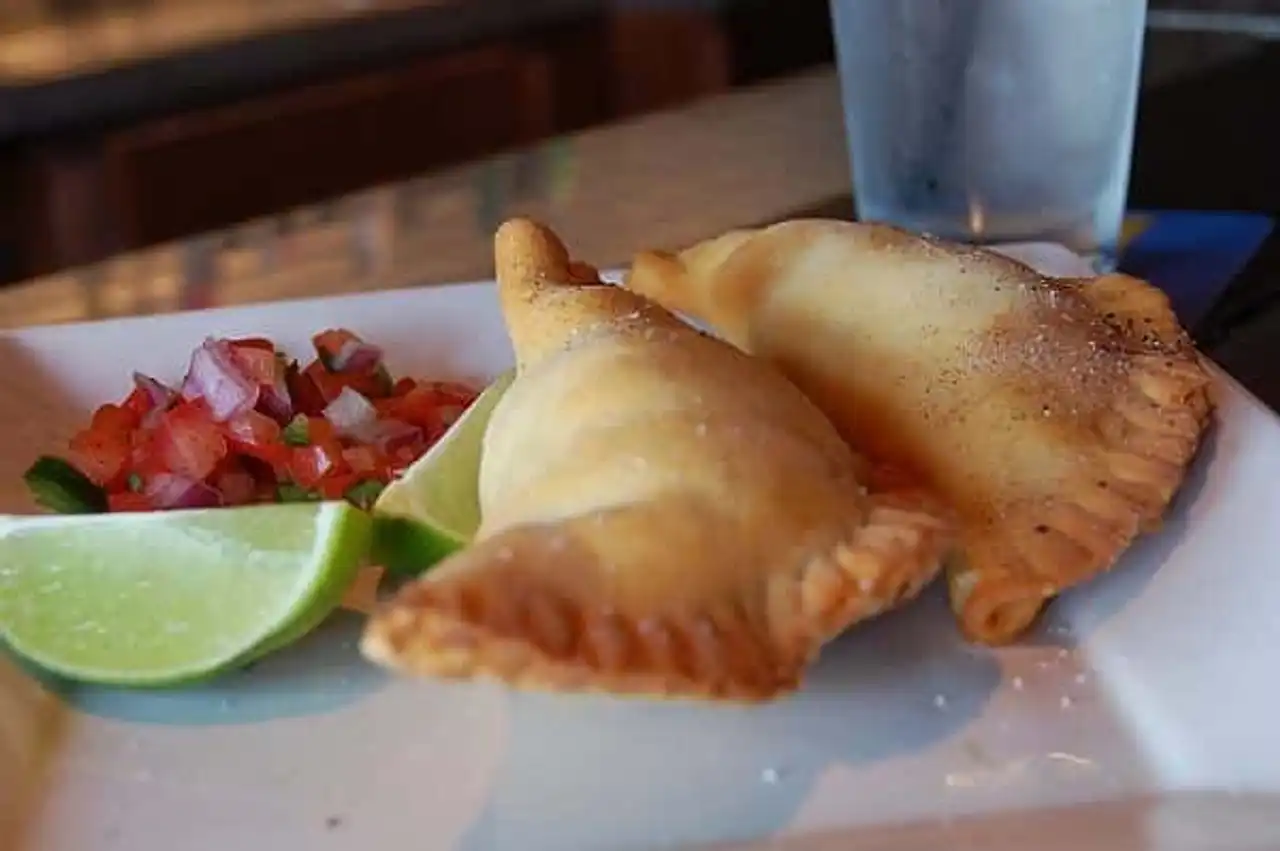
157, 598
434, 508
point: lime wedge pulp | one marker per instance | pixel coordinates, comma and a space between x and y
157, 598
433, 510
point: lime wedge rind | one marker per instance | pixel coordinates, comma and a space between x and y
348, 543
433, 510
407, 547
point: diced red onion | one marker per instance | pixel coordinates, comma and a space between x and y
215, 377
352, 415
275, 399
357, 356
168, 490
390, 435
160, 394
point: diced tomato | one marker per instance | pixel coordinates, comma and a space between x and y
246, 457
363, 459
405, 455
305, 393
366, 375
308, 465
143, 458
419, 407
100, 454
388, 407
264, 490
275, 455
236, 486
259, 365
335, 487
260, 470
263, 367
449, 414
257, 435
128, 501
326, 383
264, 476
253, 343
395, 469
114, 419
188, 441
453, 393
329, 343
252, 428
320, 432
139, 402
367, 384
410, 440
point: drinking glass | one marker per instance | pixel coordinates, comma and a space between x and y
992, 120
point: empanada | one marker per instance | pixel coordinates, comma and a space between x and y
662, 514
1056, 416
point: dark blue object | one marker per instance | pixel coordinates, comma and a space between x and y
1193, 256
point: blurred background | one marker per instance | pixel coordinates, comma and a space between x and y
129, 123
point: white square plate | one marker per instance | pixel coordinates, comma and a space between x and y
1149, 695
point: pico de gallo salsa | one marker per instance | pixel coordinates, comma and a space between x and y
248, 424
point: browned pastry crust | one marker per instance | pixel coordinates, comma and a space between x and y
663, 514
1056, 416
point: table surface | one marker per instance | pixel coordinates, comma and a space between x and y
663, 180
667, 179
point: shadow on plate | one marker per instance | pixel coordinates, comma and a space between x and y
885, 690
1180, 821
1067, 623
322, 673
672, 772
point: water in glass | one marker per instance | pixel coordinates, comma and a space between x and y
992, 120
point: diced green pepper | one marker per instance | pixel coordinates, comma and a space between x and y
296, 432
292, 492
364, 494
62, 488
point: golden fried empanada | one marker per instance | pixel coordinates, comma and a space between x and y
1056, 416
662, 513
